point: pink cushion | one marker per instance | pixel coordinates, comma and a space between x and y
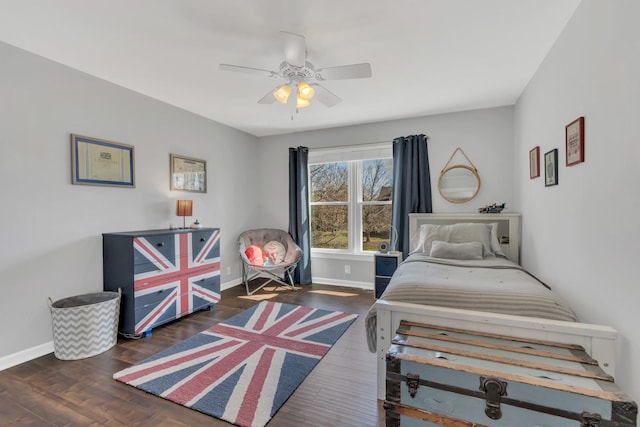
254, 255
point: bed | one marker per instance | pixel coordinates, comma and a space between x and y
464, 273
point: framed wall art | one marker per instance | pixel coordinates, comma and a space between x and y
97, 161
551, 168
534, 162
574, 141
188, 174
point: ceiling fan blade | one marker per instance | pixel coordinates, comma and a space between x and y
268, 98
294, 48
325, 96
353, 71
248, 70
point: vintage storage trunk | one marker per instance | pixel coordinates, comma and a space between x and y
450, 377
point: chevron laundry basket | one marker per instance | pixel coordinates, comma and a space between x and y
85, 325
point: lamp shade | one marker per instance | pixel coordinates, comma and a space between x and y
282, 94
302, 103
184, 207
305, 91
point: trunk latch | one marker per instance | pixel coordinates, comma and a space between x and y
493, 389
413, 382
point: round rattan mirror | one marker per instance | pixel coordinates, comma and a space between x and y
459, 183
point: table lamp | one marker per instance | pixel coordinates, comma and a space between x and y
184, 208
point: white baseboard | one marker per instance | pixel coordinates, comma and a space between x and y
14, 359
231, 284
28, 354
341, 282
25, 355
318, 280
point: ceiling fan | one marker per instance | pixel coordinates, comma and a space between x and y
301, 76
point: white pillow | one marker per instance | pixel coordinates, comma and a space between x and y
421, 244
468, 250
275, 251
416, 243
456, 233
495, 243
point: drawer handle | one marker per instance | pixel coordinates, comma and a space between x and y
160, 244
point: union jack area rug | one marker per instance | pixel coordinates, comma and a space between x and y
244, 369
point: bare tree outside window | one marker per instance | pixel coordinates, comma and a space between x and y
329, 205
334, 200
376, 202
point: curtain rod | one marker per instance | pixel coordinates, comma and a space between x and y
336, 147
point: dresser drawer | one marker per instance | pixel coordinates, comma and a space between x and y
153, 252
386, 264
381, 285
149, 316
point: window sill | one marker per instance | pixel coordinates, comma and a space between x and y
361, 256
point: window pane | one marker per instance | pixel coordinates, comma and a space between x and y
376, 224
329, 227
329, 182
377, 176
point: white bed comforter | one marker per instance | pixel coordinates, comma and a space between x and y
493, 284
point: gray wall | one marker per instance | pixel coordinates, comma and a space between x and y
582, 236
55, 233
485, 135
51, 229
579, 236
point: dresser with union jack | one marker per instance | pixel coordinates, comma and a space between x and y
163, 274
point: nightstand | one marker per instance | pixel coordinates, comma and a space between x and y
385, 266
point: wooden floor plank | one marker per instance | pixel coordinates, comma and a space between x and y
340, 391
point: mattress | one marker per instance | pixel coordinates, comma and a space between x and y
493, 284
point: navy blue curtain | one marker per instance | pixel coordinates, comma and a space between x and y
411, 185
299, 210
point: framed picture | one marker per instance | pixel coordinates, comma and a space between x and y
534, 162
551, 168
100, 162
574, 141
188, 174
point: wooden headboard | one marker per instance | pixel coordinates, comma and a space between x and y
508, 227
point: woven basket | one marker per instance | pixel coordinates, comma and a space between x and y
85, 325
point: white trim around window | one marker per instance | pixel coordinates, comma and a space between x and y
379, 150
353, 155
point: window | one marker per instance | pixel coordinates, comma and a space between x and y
375, 204
350, 200
330, 205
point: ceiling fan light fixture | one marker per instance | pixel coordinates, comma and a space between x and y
282, 94
305, 91
301, 76
302, 103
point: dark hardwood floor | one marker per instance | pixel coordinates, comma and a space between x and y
341, 390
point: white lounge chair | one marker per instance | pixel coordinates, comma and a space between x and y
281, 268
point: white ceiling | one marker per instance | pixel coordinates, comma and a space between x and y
427, 56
